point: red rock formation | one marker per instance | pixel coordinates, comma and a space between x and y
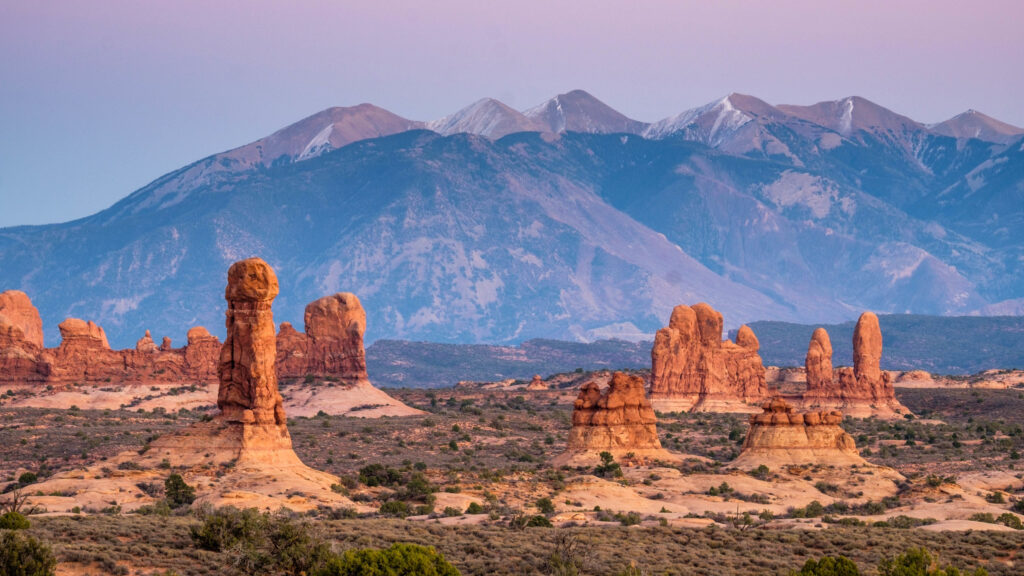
864, 390
84, 354
16, 310
619, 421
165, 346
202, 355
332, 345
781, 437
248, 377
335, 326
693, 369
292, 352
819, 361
146, 344
537, 383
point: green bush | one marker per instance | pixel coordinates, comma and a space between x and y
474, 508
398, 560
919, 562
829, 566
177, 492
397, 508
545, 505
379, 475
27, 478
260, 543
14, 521
608, 468
23, 555
227, 527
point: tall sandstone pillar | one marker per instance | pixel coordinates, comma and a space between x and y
248, 380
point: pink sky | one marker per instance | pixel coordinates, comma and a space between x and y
124, 91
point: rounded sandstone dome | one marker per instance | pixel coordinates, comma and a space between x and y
251, 280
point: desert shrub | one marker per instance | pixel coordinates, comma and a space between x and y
545, 505
227, 526
812, 510
398, 508
474, 508
177, 492
398, 560
14, 521
919, 562
258, 543
379, 475
537, 521
28, 478
1010, 520
761, 472
23, 555
608, 468
829, 566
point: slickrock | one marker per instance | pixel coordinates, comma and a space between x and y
694, 370
781, 437
620, 421
862, 391
16, 310
243, 456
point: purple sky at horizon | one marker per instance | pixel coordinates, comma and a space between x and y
100, 98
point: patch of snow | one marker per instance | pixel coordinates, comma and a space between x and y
318, 145
846, 122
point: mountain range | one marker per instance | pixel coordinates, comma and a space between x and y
567, 220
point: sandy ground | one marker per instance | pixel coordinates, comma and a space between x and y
361, 400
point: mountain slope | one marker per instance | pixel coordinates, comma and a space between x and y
974, 124
499, 232
578, 111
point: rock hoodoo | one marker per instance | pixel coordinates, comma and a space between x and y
819, 361
781, 437
537, 383
864, 390
248, 375
244, 455
620, 421
17, 311
332, 344
146, 344
693, 369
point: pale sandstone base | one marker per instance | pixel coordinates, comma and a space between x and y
359, 400
588, 458
227, 463
890, 410
694, 403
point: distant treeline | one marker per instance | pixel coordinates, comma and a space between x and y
399, 363
938, 344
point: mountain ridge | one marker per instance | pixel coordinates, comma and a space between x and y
581, 234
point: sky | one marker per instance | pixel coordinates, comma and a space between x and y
99, 98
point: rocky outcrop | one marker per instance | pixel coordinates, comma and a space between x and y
862, 391
619, 420
243, 456
819, 361
537, 383
781, 437
202, 354
146, 344
332, 345
17, 311
247, 372
693, 369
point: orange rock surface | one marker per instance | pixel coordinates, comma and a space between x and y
620, 421
864, 390
694, 370
781, 437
